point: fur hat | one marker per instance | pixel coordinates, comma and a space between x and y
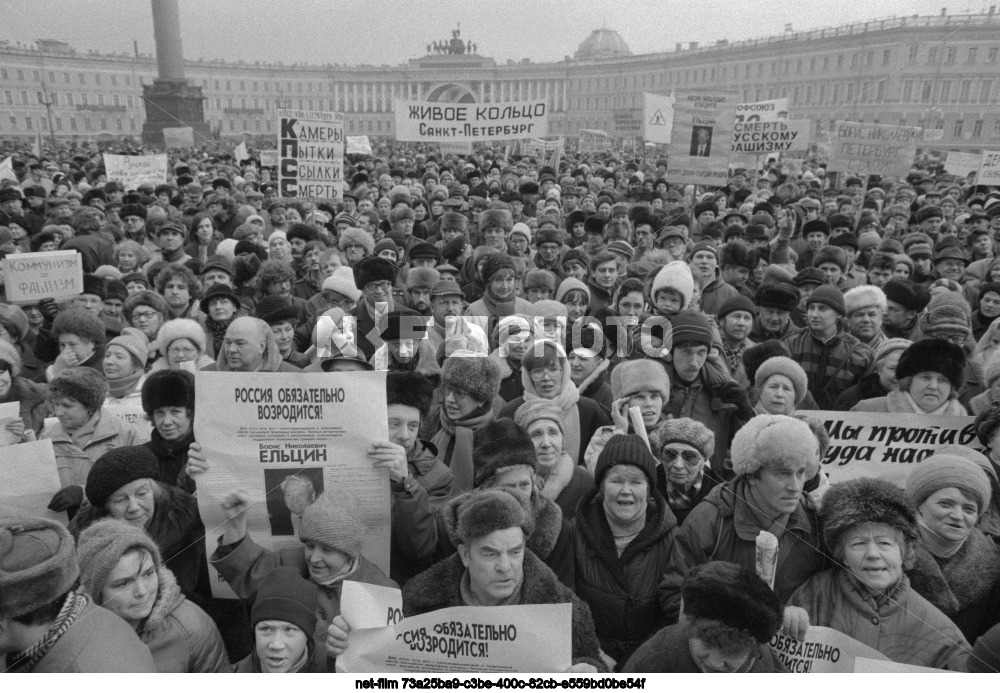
738, 302
496, 217
737, 254
948, 471
79, 322
135, 343
734, 596
539, 279
490, 510
479, 376
284, 595
9, 355
754, 356
496, 262
409, 389
831, 253
850, 503
360, 237
947, 313
689, 432
373, 269
85, 385
536, 410
778, 296
180, 328
986, 423
327, 523
422, 278
782, 365
907, 294
625, 449
936, 356
630, 377
146, 298
774, 441
168, 388
102, 545
13, 319
674, 275
865, 296
498, 445
117, 467
37, 564
830, 296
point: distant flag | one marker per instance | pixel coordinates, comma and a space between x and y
240, 152
38, 145
7, 169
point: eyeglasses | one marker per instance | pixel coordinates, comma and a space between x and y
689, 457
551, 371
144, 315
182, 351
456, 392
378, 286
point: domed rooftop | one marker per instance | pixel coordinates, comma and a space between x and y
602, 43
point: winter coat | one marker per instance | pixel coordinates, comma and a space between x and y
724, 528
101, 643
511, 386
965, 587
439, 587
32, 407
903, 626
566, 484
832, 366
425, 363
868, 387
669, 652
76, 452
424, 534
173, 460
592, 417
367, 336
596, 387
716, 293
897, 403
245, 565
182, 638
251, 663
621, 590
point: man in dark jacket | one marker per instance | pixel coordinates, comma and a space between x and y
375, 277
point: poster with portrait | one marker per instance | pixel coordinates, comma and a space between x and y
701, 137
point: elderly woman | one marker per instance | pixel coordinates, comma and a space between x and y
956, 566
130, 257
623, 534
557, 477
124, 365
180, 289
730, 616
219, 307
80, 335
684, 448
168, 401
182, 345
773, 456
546, 374
32, 408
870, 530
929, 376
84, 431
122, 569
780, 384
146, 311
881, 381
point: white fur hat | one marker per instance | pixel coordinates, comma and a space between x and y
774, 441
866, 296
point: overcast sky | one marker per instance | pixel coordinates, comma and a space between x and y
393, 31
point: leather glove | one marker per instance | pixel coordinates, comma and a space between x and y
732, 393
48, 308
67, 499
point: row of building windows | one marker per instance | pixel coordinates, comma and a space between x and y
66, 98
71, 124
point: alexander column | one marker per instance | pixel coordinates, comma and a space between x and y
171, 101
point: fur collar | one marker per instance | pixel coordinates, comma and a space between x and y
548, 522
601, 369
961, 581
168, 598
559, 477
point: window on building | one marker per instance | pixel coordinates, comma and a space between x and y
869, 58
908, 91
72, 124
809, 95
850, 92
925, 91
840, 61
83, 101
971, 57
129, 101
13, 123
798, 66
24, 99
100, 99
950, 56
229, 102
59, 124
83, 78
932, 56
97, 78
37, 75
945, 90
977, 129
65, 77
117, 100
886, 56
880, 92
826, 63
218, 104
812, 64
20, 75
8, 97
27, 122
992, 55
822, 93
131, 124
963, 94
118, 122
984, 90
914, 49
232, 125
69, 99
959, 124
229, 85
795, 96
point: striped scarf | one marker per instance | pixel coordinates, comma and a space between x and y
74, 606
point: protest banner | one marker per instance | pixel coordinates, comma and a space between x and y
31, 478
824, 651
311, 155
657, 117
627, 122
702, 136
871, 148
962, 163
593, 142
130, 411
176, 138
526, 638
888, 446
364, 605
453, 148
765, 137
9, 411
933, 135
989, 169
864, 665
7, 169
30, 277
133, 171
358, 144
541, 149
427, 121
240, 153
762, 111
269, 158
259, 429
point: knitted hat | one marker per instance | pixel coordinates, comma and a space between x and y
37, 564
284, 595
168, 388
146, 298
422, 278
831, 253
498, 445
490, 510
782, 365
850, 503
777, 296
117, 467
704, 245
689, 432
675, 275
79, 322
866, 296
986, 423
479, 376
575, 255
181, 328
935, 356
774, 441
102, 545
630, 377
539, 279
386, 244
9, 356
734, 596
549, 309
324, 522
947, 313
889, 346
828, 295
496, 262
85, 385
738, 302
809, 275
342, 281
362, 238
625, 449
571, 284
948, 471
409, 389
689, 326
536, 410
522, 229
13, 319
907, 294
868, 239
217, 290
135, 343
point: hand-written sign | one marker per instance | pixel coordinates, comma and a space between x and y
177, 138
765, 137
870, 148
133, 171
989, 169
593, 141
628, 121
30, 277
424, 121
310, 154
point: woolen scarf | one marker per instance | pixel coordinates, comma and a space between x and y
462, 432
218, 331
497, 309
23, 662
566, 400
119, 387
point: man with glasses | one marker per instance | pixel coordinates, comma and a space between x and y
375, 276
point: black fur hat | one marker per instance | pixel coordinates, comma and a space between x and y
779, 296
373, 269
936, 356
168, 388
409, 389
733, 596
594, 224
857, 501
755, 356
498, 445
737, 254
477, 375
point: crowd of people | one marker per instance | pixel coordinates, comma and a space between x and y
600, 391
